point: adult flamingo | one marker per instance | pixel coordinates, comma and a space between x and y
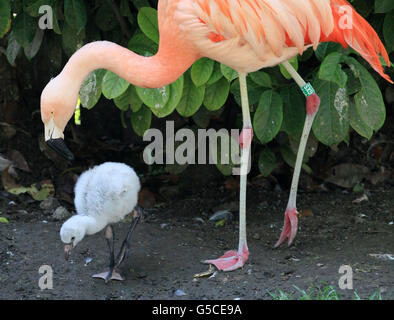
245, 35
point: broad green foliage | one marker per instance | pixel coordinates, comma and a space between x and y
349, 89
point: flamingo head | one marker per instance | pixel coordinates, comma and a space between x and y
57, 107
71, 233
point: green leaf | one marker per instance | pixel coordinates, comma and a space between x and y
216, 95
113, 86
142, 45
268, 117
262, 78
353, 84
293, 110
24, 29
202, 118
201, 71
5, 17
290, 158
13, 49
388, 31
135, 101
228, 73
369, 100
156, 99
123, 101
383, 6
31, 7
267, 162
176, 90
3, 220
141, 120
358, 124
72, 41
294, 63
90, 91
331, 69
226, 148
75, 14
148, 23
254, 91
325, 48
192, 98
32, 48
216, 74
331, 125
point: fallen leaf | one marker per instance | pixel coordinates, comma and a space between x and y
47, 189
346, 175
44, 190
386, 256
9, 183
4, 163
19, 161
305, 213
205, 274
6, 131
3, 220
361, 199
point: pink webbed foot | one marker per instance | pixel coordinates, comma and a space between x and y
231, 260
289, 228
105, 276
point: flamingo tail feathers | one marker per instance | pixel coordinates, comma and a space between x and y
351, 29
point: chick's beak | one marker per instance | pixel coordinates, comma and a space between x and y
54, 138
67, 250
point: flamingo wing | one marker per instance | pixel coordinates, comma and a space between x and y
250, 34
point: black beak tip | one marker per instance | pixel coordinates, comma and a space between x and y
61, 148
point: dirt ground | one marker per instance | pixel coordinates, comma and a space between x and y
169, 244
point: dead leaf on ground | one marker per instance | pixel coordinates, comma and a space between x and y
305, 213
346, 175
18, 160
361, 199
39, 191
205, 274
146, 199
6, 131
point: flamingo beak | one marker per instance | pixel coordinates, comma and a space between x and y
67, 250
54, 138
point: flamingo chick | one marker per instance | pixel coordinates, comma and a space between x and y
104, 195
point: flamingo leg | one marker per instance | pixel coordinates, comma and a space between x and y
232, 260
124, 250
312, 105
112, 273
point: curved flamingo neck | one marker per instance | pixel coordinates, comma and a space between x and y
149, 72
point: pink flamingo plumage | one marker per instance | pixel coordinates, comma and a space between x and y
245, 35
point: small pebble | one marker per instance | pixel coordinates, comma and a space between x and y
179, 293
88, 260
61, 213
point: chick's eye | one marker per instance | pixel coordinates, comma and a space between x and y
72, 238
